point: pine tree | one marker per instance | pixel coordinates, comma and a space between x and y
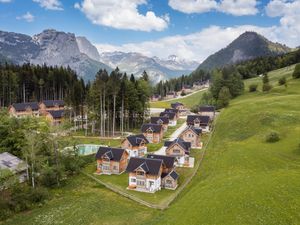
296, 73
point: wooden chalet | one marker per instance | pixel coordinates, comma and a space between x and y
161, 120
111, 160
55, 117
207, 110
135, 145
24, 109
144, 174
51, 105
199, 121
169, 177
179, 149
171, 110
153, 132
192, 135
171, 116
177, 105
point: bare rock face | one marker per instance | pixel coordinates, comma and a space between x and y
87, 48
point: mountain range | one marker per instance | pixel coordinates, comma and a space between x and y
57, 48
247, 46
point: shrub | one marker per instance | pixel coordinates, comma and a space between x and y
253, 88
272, 137
282, 81
266, 87
296, 73
38, 194
183, 93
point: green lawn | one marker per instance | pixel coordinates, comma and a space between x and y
188, 101
171, 130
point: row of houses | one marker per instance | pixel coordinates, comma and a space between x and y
151, 172
53, 110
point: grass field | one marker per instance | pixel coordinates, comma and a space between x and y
242, 181
188, 101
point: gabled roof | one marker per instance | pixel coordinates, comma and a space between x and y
167, 160
206, 108
11, 162
114, 154
172, 174
171, 110
136, 140
150, 166
202, 119
52, 103
163, 119
169, 115
23, 106
185, 145
156, 128
57, 114
197, 131
176, 104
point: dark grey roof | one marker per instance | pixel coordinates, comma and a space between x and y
169, 115
57, 114
184, 144
52, 103
135, 140
163, 119
23, 106
151, 166
156, 128
204, 120
174, 175
114, 154
176, 104
206, 108
171, 110
167, 160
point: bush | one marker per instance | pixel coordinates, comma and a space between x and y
253, 88
38, 194
183, 93
266, 87
272, 137
282, 81
296, 73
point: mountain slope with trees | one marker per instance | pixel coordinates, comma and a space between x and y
247, 46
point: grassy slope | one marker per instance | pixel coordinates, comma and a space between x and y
188, 101
243, 179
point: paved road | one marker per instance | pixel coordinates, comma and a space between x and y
176, 133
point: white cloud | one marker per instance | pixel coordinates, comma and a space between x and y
27, 17
5, 1
122, 14
196, 46
234, 7
193, 6
50, 4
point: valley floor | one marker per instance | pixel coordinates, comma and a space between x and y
242, 180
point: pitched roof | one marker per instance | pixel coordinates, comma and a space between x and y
114, 154
197, 131
174, 175
167, 160
150, 166
206, 108
52, 103
56, 114
169, 115
11, 162
203, 119
184, 144
23, 106
160, 119
136, 140
156, 128
176, 104
171, 110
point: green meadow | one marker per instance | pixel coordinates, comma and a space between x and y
242, 179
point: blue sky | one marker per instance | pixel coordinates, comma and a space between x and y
126, 26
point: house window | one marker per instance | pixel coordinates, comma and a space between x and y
140, 173
168, 182
133, 180
104, 167
140, 182
115, 168
176, 151
151, 183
